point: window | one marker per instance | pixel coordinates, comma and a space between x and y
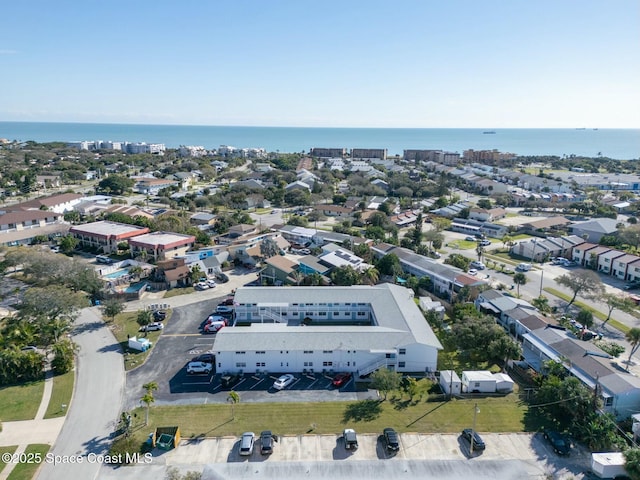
327, 351
401, 364
241, 364
260, 364
327, 364
477, 384
608, 401
306, 352
240, 353
323, 314
402, 351
362, 314
260, 352
308, 364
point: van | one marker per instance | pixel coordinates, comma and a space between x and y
104, 260
524, 267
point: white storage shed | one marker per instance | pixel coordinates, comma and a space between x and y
450, 382
478, 381
608, 464
504, 383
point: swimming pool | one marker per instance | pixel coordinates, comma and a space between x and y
135, 287
117, 273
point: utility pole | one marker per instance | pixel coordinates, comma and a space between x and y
476, 410
541, 278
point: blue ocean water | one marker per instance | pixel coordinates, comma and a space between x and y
621, 144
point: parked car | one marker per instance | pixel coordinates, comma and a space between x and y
201, 286
152, 327
391, 439
558, 442
523, 267
477, 265
305, 251
227, 301
159, 315
478, 443
205, 357
266, 442
224, 309
199, 367
104, 260
284, 381
211, 283
485, 243
213, 327
216, 318
246, 443
350, 439
228, 381
341, 379
222, 277
632, 286
469, 238
472, 271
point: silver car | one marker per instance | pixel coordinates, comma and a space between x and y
246, 443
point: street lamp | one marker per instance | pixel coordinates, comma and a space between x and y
476, 411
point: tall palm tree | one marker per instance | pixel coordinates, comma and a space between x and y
519, 279
148, 399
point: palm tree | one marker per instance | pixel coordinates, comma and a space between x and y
371, 275
519, 279
633, 337
233, 398
148, 398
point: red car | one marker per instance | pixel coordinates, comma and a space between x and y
341, 379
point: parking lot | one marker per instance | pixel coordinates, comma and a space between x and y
442, 456
182, 340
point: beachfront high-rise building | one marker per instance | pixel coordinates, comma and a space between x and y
329, 152
362, 153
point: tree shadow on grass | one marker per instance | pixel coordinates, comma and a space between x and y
362, 411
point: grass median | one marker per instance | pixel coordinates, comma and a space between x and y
6, 450
60, 395
498, 414
125, 326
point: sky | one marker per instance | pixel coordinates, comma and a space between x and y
325, 63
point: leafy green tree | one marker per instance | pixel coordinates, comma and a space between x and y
115, 184
371, 275
585, 283
68, 244
459, 261
565, 401
269, 248
233, 399
345, 275
385, 380
484, 203
632, 462
144, 318
504, 349
63, 356
389, 265
542, 304
111, 308
585, 317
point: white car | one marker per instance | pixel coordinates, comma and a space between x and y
246, 443
201, 286
199, 367
477, 265
224, 309
211, 283
152, 327
472, 271
284, 381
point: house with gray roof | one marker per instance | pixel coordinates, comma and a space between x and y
619, 390
357, 329
595, 229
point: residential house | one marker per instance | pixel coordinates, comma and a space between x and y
472, 227
333, 210
624, 267
545, 225
592, 257
152, 186
594, 230
581, 252
606, 259
61, 203
298, 185
21, 227
487, 215
173, 272
278, 270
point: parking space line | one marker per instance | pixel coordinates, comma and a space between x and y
312, 384
181, 335
258, 383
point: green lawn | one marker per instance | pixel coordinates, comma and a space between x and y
20, 402
499, 414
5, 450
462, 244
174, 292
125, 325
26, 471
61, 395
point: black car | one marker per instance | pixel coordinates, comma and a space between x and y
228, 381
350, 439
266, 442
558, 442
205, 357
478, 443
391, 439
222, 277
159, 315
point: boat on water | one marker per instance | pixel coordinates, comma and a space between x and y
489, 132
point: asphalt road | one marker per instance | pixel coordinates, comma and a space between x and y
96, 402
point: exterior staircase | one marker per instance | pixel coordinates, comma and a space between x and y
374, 365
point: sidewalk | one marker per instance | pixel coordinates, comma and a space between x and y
26, 432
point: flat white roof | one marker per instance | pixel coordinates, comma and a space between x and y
106, 228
